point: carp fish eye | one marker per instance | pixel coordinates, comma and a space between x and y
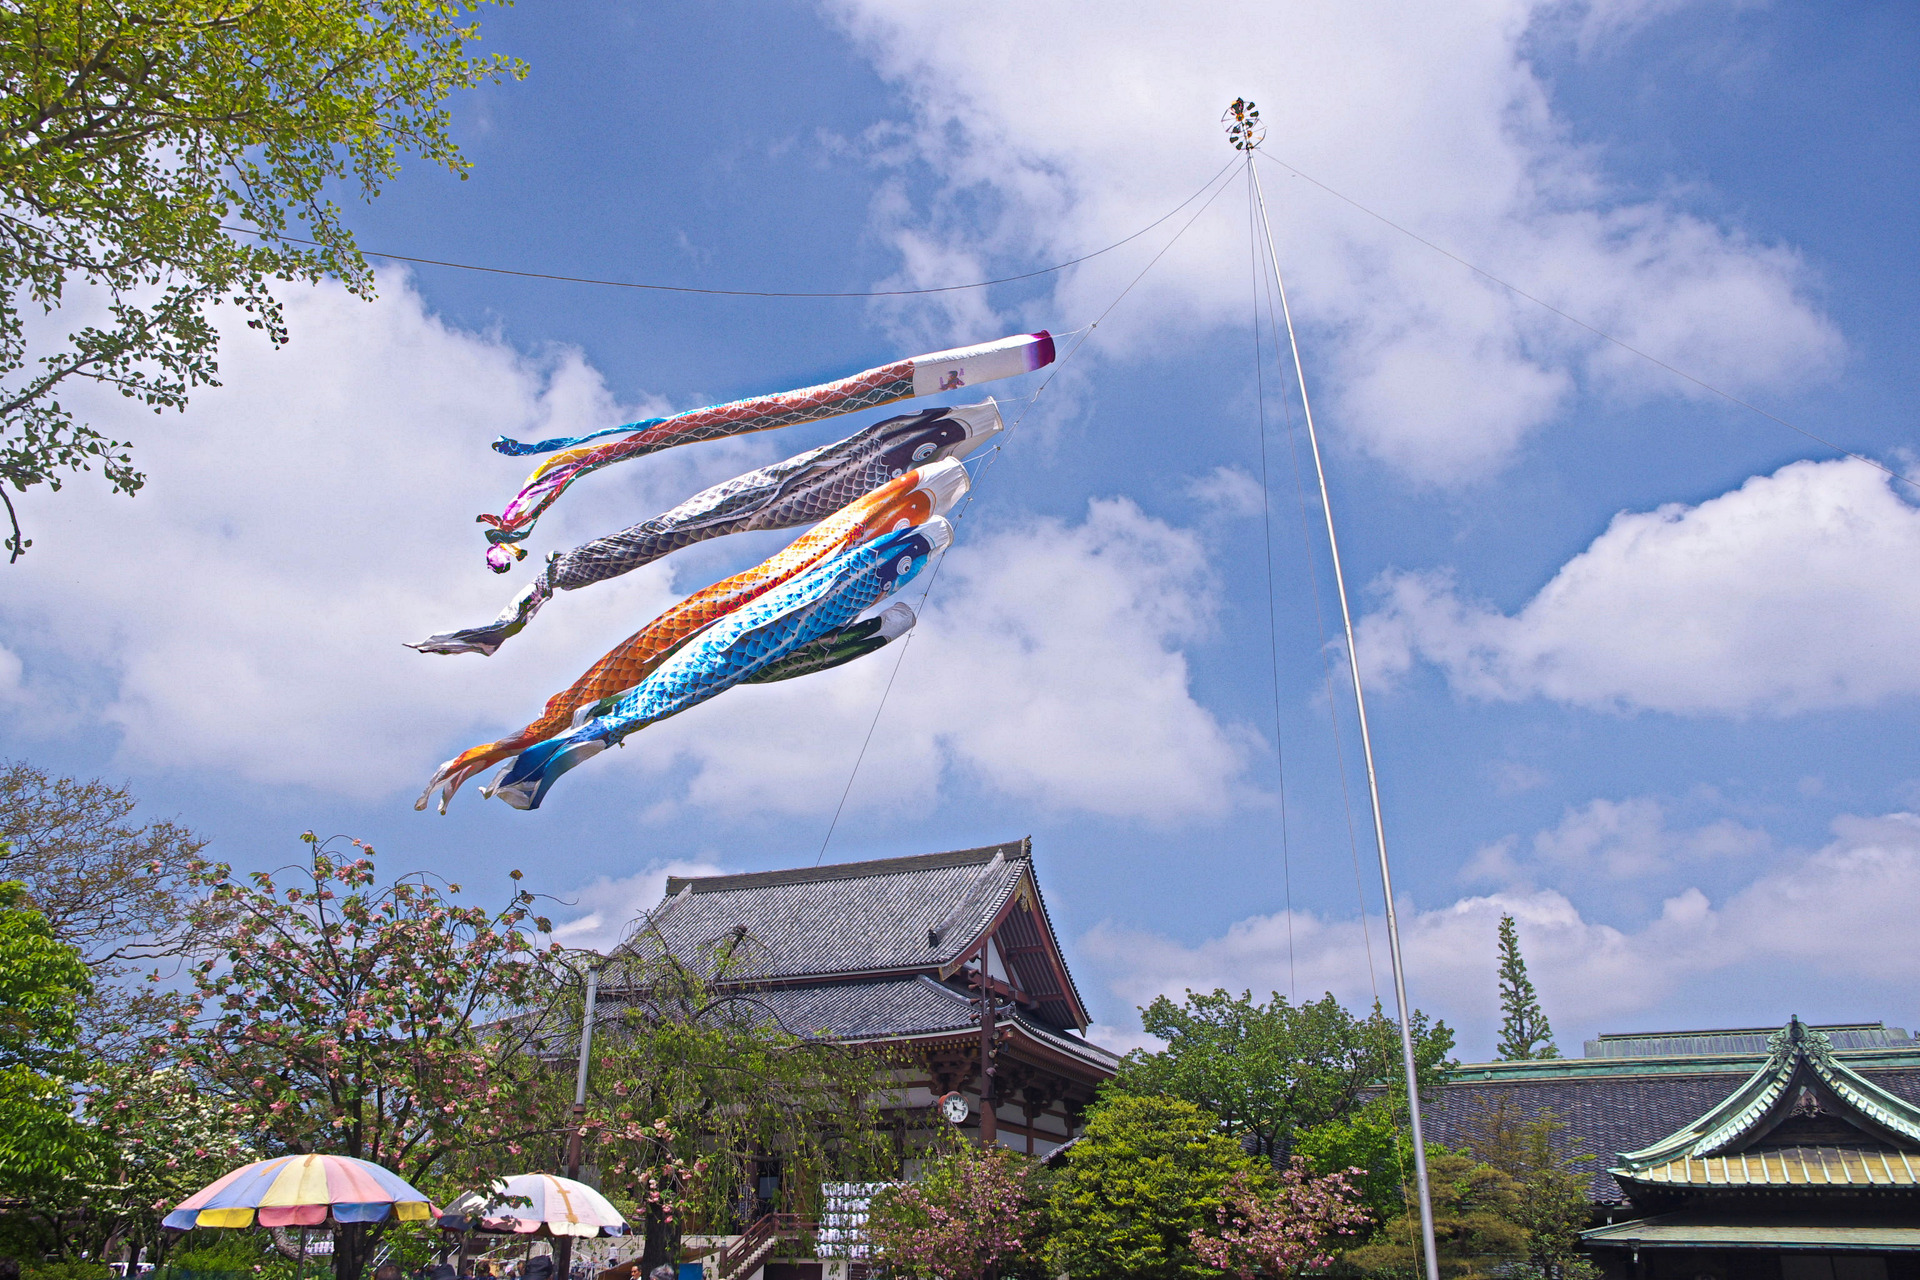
902, 565
924, 452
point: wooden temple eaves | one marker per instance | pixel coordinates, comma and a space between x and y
900, 954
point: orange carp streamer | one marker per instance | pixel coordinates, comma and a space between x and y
906, 500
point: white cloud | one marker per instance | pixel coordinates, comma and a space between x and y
1123, 1040
1839, 916
1797, 591
600, 915
1072, 133
1627, 839
1516, 777
246, 611
1229, 491
1047, 668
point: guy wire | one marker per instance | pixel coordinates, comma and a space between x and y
1515, 289
749, 293
1273, 623
933, 575
1326, 658
1429, 1249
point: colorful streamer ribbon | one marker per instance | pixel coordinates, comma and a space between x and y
911, 499
901, 380
800, 490
746, 641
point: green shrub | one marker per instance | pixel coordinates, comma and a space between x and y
1145, 1175
65, 1271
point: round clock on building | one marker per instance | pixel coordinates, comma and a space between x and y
954, 1108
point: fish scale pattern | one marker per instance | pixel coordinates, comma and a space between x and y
867, 390
800, 490
839, 646
912, 498
828, 596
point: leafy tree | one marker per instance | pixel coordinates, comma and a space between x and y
1281, 1229
1146, 1175
343, 1016
1552, 1205
1270, 1070
117, 889
1372, 1140
133, 134
1474, 1206
972, 1214
1524, 1032
42, 980
162, 1138
695, 1085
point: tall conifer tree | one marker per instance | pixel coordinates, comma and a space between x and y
1524, 1032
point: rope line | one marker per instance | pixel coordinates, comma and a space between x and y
1273, 619
752, 293
933, 576
1326, 657
1595, 330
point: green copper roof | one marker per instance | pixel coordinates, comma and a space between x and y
1736, 1063
1688, 1231
1844, 1036
1793, 1049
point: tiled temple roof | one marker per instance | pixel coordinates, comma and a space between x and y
808, 932
1613, 1105
1742, 1040
886, 915
900, 1008
1800, 1085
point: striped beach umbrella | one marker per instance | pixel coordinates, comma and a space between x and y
301, 1191
552, 1206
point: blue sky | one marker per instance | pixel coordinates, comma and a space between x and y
1643, 664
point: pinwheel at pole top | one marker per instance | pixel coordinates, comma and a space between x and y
302, 1191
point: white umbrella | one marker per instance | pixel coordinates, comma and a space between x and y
554, 1206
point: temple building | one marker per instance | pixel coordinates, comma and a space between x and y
1752, 1154
897, 952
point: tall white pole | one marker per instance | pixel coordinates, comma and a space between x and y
1366, 746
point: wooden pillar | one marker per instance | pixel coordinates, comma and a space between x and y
989, 1124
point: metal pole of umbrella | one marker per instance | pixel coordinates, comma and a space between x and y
563, 1246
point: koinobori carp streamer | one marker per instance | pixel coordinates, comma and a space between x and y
901, 380
839, 646
911, 499
743, 643
800, 490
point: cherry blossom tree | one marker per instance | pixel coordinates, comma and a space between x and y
386, 1022
972, 1214
1282, 1226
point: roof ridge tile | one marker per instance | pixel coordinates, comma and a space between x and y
1011, 850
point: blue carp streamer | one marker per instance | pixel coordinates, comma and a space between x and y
839, 646
732, 650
